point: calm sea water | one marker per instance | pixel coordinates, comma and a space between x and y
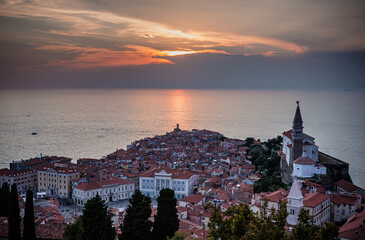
93, 123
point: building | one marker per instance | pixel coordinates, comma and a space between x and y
317, 203
305, 167
33, 162
55, 179
110, 190
354, 228
25, 179
343, 206
343, 186
274, 199
153, 181
295, 141
295, 203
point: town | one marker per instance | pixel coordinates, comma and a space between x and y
202, 167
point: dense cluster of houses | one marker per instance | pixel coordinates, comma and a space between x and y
201, 166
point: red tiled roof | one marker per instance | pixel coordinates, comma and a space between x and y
342, 199
346, 185
349, 229
304, 161
194, 199
176, 174
12, 173
289, 134
99, 184
314, 199
277, 195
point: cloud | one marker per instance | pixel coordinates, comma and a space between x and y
148, 41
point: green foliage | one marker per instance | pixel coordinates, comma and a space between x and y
4, 199
249, 141
29, 226
95, 220
14, 217
178, 236
166, 221
267, 161
329, 231
239, 222
74, 231
136, 224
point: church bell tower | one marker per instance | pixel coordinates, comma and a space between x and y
297, 136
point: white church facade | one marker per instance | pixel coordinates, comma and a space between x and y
300, 150
317, 204
305, 167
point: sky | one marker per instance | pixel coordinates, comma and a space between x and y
245, 44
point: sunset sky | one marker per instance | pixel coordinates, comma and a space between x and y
291, 44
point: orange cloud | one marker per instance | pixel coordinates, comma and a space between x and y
101, 57
93, 24
88, 57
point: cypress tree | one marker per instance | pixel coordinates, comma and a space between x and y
14, 217
29, 226
96, 222
136, 225
4, 199
166, 221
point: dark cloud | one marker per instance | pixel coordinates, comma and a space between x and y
310, 71
136, 44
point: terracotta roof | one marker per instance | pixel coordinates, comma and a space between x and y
99, 184
346, 185
349, 229
194, 199
175, 173
314, 199
289, 134
13, 173
304, 161
343, 199
277, 195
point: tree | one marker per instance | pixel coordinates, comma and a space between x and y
14, 217
136, 224
74, 231
95, 220
304, 230
166, 221
329, 231
178, 236
4, 199
29, 226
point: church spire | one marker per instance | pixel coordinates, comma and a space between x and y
297, 136
298, 122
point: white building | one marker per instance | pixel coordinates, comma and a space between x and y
295, 202
309, 146
305, 167
317, 204
153, 181
110, 190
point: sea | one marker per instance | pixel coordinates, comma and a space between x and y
95, 122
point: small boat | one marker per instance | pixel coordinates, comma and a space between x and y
34, 133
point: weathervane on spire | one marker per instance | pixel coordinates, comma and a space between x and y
298, 103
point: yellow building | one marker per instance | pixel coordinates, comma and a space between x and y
55, 179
